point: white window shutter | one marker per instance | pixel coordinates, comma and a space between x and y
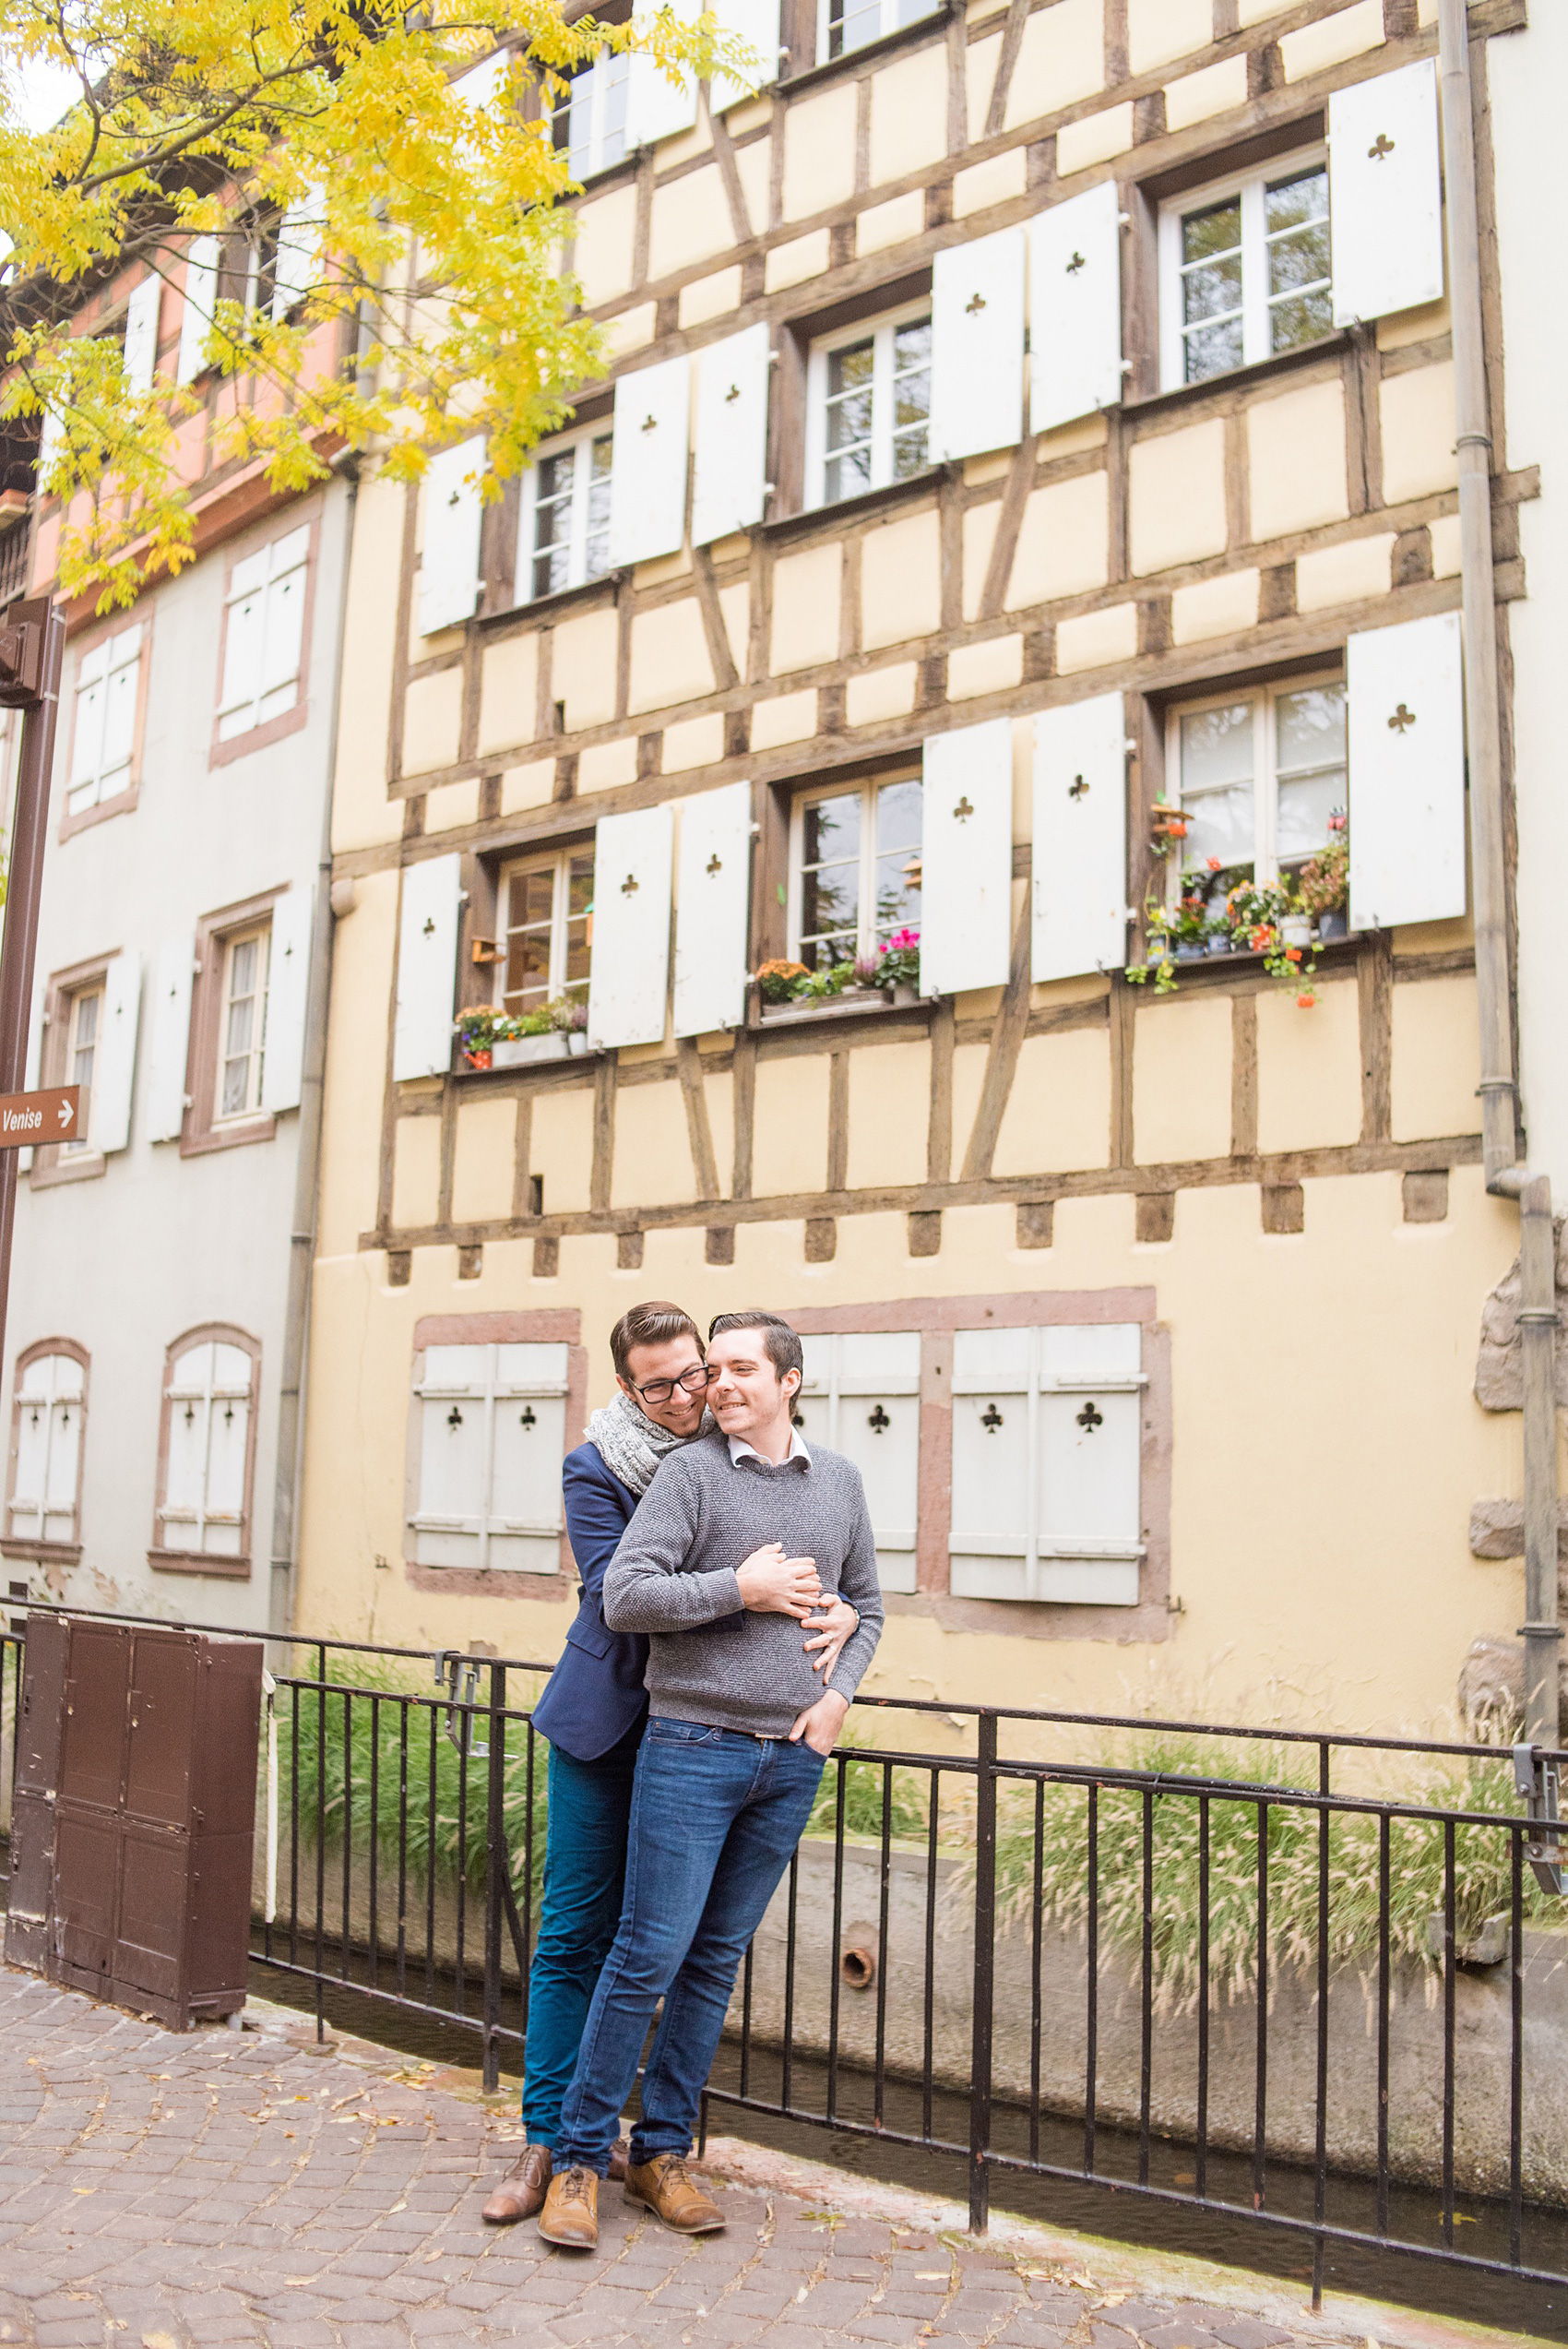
729, 484
196, 319
140, 359
50, 440
453, 515
31, 1474
223, 1511
977, 346
427, 968
632, 868
657, 107
120, 710
1385, 194
454, 1409
115, 1069
168, 1051
245, 631
1079, 855
757, 23
967, 858
1075, 308
87, 737
282, 635
861, 1396
64, 1452
712, 902
299, 254
528, 1442
989, 1540
1089, 1443
1405, 739
288, 989
647, 475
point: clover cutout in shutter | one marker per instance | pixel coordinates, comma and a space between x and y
974, 305
527, 1418
629, 886
990, 1419
1401, 720
1075, 264
1090, 1417
454, 1417
878, 1421
733, 393
714, 865
651, 423
963, 811
1078, 788
1380, 147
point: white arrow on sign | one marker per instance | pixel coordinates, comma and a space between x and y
67, 1116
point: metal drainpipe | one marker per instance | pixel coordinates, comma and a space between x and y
1499, 1084
308, 1169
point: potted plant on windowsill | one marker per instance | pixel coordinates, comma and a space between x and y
897, 968
788, 988
489, 1039
1325, 884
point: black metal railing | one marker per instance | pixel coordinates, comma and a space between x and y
1307, 1982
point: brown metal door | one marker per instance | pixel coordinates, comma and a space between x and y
86, 1868
220, 1916
44, 1704
32, 1877
154, 1904
228, 1745
92, 1756
161, 1733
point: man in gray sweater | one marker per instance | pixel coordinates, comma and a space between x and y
738, 1730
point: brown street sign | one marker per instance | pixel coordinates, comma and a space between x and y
38, 1117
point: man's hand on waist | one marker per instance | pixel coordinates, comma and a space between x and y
771, 1583
820, 1724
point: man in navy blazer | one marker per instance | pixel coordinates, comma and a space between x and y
593, 1712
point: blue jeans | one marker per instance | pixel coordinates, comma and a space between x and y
584, 1868
715, 1816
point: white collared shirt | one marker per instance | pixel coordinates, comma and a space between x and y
740, 1450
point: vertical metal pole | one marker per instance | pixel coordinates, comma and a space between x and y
1537, 1347
24, 879
985, 1976
496, 1861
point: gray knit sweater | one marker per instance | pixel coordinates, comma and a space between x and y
673, 1577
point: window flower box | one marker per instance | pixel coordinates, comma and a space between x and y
514, 1052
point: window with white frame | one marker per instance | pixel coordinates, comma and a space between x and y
208, 1399
547, 930
241, 1030
563, 531
103, 721
844, 25
264, 639
46, 1448
854, 869
861, 1396
1258, 776
1046, 1451
249, 261
83, 1012
589, 121
491, 1437
868, 410
1245, 269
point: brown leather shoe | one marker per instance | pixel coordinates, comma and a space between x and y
521, 2191
620, 2155
570, 2216
666, 2186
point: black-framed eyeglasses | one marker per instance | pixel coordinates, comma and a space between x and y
694, 1381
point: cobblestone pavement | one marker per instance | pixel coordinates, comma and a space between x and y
164, 2191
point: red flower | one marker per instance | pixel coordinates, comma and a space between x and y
1214, 864
1305, 1002
1292, 954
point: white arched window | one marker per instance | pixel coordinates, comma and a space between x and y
44, 1510
207, 1457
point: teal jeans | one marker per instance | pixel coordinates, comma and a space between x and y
585, 1873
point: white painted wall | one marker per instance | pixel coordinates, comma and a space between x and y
126, 1261
1527, 72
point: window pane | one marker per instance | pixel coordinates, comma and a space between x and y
531, 906
911, 397
1211, 288
598, 509
849, 420
553, 522
832, 828
1217, 785
1301, 300
897, 857
851, 23
533, 896
1310, 737
579, 925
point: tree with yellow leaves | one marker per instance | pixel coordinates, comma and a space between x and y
398, 171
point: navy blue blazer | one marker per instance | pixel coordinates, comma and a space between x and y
594, 1696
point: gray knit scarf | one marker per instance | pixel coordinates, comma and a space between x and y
631, 1445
